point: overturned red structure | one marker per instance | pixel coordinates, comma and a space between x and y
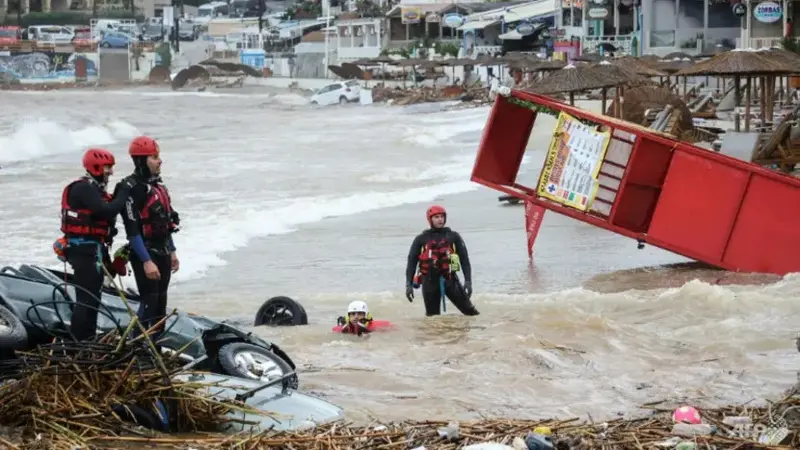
673, 195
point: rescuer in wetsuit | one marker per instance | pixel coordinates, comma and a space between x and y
88, 215
149, 223
437, 251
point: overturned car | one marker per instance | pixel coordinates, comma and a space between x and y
36, 305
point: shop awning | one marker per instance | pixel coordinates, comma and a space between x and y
477, 25
529, 11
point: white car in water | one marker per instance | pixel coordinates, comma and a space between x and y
337, 93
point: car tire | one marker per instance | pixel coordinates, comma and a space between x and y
314, 103
237, 360
12, 332
140, 416
343, 100
281, 311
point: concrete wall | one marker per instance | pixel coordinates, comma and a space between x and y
114, 66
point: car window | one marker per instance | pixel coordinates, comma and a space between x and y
352, 83
330, 87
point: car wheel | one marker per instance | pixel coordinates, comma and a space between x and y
140, 416
314, 102
256, 363
343, 100
12, 331
281, 311
105, 45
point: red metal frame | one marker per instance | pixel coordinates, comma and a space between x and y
671, 194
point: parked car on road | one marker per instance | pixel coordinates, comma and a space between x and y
340, 93
113, 39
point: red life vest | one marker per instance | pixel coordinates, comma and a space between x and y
77, 222
156, 214
435, 257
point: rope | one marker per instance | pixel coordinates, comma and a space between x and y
444, 297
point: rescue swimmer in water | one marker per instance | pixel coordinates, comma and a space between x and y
359, 321
439, 253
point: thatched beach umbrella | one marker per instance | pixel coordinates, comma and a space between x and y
365, 62
672, 66
573, 79
588, 57
639, 99
738, 63
637, 65
624, 76
410, 62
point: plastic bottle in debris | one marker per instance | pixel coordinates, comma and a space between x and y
450, 432
692, 430
736, 420
686, 445
539, 439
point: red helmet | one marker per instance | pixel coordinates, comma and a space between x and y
95, 159
434, 210
143, 146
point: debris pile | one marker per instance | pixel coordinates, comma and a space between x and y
411, 96
67, 394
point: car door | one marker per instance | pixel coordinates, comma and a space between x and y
329, 95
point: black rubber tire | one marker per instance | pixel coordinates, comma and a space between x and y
13, 335
139, 415
227, 360
286, 306
343, 102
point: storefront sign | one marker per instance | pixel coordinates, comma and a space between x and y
598, 13
410, 14
739, 10
768, 12
433, 18
453, 20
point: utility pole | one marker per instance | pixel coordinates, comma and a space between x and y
177, 7
262, 7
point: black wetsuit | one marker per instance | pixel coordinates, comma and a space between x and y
84, 257
158, 248
431, 289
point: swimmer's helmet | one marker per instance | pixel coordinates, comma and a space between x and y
359, 307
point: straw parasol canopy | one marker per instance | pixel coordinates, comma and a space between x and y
432, 64
536, 65
409, 62
620, 74
639, 99
637, 66
365, 62
743, 62
588, 57
574, 78
783, 56
460, 62
383, 60
670, 67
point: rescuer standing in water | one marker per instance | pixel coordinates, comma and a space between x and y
88, 215
440, 253
149, 223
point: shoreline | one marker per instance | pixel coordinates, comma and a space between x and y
726, 427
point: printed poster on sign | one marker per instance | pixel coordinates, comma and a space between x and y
569, 175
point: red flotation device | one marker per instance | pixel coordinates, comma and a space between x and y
374, 325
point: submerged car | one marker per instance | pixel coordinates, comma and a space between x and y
36, 305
